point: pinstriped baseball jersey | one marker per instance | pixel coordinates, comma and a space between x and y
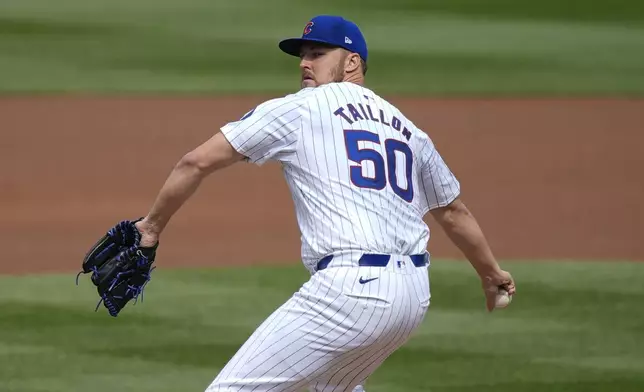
361, 174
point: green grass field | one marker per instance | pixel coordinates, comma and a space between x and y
434, 47
572, 327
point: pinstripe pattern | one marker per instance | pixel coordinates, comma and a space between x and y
334, 332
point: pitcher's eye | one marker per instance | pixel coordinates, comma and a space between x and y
313, 54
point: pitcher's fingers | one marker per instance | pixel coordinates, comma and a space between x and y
509, 287
490, 300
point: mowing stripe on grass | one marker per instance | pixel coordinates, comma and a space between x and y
574, 326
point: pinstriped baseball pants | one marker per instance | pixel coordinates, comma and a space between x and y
333, 333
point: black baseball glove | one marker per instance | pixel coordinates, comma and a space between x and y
120, 267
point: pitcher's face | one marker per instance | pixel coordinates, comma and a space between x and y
321, 64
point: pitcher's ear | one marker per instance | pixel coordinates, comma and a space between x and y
352, 63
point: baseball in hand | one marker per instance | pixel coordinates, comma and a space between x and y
503, 299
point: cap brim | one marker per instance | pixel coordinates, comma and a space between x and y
292, 46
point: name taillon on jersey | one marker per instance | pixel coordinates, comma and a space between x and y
366, 113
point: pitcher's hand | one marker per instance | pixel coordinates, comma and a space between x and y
148, 237
492, 283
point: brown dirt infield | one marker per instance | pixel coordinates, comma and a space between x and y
545, 178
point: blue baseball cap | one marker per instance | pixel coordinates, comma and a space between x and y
330, 30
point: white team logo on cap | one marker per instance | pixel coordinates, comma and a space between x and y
347, 40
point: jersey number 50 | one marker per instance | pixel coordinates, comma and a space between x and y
385, 169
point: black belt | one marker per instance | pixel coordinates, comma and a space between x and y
376, 260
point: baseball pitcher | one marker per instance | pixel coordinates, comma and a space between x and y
362, 177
